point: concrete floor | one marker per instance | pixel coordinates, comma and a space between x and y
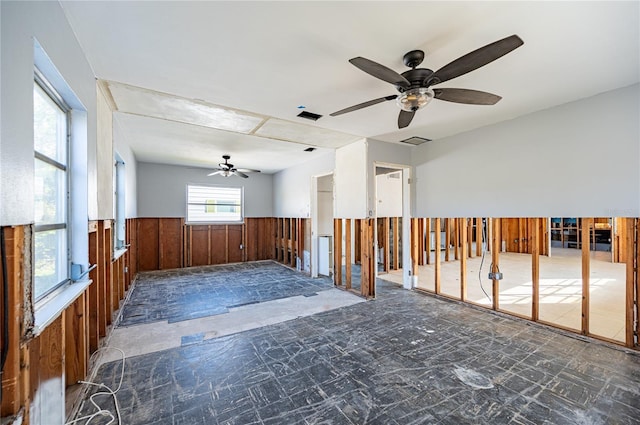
560, 287
403, 358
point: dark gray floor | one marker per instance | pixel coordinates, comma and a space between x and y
404, 358
184, 294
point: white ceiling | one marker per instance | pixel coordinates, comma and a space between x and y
264, 59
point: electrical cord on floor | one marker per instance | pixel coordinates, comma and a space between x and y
484, 250
107, 391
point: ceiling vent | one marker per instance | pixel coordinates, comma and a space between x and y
415, 140
310, 149
309, 116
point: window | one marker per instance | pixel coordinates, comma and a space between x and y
118, 203
207, 204
51, 122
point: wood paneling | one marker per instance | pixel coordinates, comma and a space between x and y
148, 244
218, 251
234, 244
170, 243
199, 245
76, 347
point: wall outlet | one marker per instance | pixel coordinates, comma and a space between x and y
495, 276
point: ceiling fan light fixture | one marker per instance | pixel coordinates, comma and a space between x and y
414, 99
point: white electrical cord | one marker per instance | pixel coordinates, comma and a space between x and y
108, 391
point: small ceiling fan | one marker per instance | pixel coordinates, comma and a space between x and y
415, 85
227, 169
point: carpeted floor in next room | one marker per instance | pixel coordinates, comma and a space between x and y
404, 358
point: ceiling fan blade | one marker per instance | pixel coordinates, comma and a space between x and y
363, 105
380, 71
247, 170
404, 119
476, 59
240, 173
471, 97
215, 173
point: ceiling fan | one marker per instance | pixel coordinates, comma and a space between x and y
415, 85
227, 169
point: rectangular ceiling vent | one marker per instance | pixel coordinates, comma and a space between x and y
415, 140
309, 116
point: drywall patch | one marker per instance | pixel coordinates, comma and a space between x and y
473, 378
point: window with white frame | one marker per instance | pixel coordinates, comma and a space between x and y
214, 204
118, 203
51, 123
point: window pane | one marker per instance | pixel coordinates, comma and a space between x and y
50, 190
50, 260
49, 126
209, 203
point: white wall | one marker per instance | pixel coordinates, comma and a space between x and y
577, 159
292, 186
162, 190
101, 181
121, 145
350, 181
389, 195
21, 22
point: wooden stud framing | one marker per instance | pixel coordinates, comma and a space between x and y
367, 283
535, 270
463, 257
386, 235
495, 258
427, 241
93, 301
447, 238
415, 246
636, 278
587, 223
12, 378
102, 280
469, 236
479, 236
631, 275
396, 243
456, 238
347, 252
337, 251
438, 270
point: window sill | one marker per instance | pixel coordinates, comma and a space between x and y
48, 311
119, 253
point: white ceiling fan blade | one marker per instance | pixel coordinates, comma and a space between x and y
215, 172
247, 170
